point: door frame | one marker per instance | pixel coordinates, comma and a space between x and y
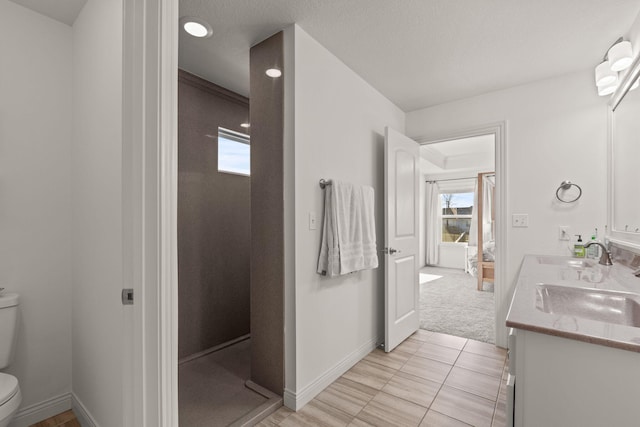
499, 131
149, 212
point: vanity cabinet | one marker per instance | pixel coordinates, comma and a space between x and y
564, 382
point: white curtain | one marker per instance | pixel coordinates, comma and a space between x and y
434, 223
473, 229
488, 185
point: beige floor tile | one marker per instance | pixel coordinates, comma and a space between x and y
485, 349
436, 419
346, 395
267, 423
500, 416
421, 335
385, 410
482, 364
447, 340
409, 345
464, 406
502, 395
474, 382
393, 360
277, 417
427, 369
370, 374
414, 389
358, 423
438, 352
317, 414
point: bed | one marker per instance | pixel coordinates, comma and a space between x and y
486, 236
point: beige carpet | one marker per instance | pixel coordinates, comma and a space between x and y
451, 304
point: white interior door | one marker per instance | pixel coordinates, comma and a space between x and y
402, 293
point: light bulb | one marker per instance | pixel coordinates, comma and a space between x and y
607, 90
620, 56
605, 75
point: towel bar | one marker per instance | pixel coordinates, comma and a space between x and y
324, 183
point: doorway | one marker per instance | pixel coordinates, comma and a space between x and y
461, 217
214, 206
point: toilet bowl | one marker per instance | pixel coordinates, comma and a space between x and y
10, 398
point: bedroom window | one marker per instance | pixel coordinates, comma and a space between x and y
456, 216
234, 152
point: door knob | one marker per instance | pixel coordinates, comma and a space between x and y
390, 251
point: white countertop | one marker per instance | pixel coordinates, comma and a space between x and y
555, 270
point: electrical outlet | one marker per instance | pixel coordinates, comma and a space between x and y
520, 220
563, 232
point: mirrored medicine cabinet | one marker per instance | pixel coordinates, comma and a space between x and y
624, 160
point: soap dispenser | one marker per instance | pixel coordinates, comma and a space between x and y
578, 247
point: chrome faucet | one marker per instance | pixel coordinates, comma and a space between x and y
605, 258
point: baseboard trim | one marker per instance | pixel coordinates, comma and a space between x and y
296, 400
82, 414
41, 411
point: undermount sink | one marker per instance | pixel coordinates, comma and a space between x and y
575, 263
621, 308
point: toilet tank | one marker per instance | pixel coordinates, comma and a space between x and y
8, 327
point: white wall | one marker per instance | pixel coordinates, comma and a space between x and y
97, 211
556, 130
35, 196
339, 134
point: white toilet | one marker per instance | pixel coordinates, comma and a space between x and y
10, 396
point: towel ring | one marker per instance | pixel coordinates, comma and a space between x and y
565, 186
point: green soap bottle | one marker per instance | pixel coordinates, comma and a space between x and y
578, 247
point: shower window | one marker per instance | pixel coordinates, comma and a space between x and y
234, 152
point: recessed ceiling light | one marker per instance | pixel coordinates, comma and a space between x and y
196, 27
273, 72
245, 125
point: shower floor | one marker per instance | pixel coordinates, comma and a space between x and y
212, 389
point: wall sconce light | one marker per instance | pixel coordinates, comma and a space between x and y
620, 55
605, 76
618, 58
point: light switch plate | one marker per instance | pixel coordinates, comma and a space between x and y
563, 232
312, 221
520, 220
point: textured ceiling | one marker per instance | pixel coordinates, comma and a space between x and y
459, 155
417, 53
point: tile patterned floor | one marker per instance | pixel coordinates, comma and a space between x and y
431, 379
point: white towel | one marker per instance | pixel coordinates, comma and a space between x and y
329, 260
348, 233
